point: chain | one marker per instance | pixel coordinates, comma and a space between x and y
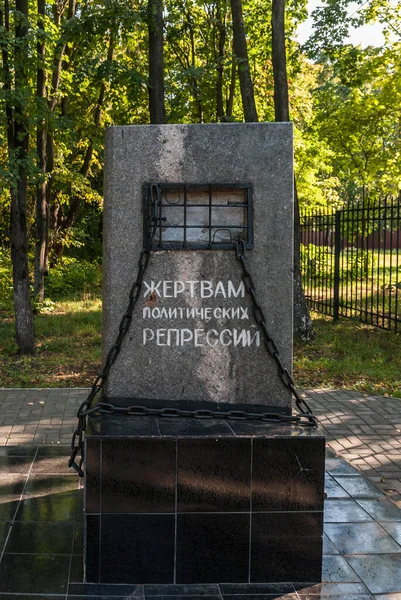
105, 408
77, 442
305, 416
284, 374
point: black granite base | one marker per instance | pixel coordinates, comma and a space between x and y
181, 501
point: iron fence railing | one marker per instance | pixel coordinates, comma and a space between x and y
351, 263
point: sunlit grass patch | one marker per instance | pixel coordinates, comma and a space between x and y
349, 355
68, 348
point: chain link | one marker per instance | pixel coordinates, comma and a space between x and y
302, 406
305, 416
77, 442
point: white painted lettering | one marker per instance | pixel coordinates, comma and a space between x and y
167, 287
152, 288
192, 287
186, 335
229, 334
220, 290
244, 313
170, 333
146, 312
206, 289
179, 287
233, 293
240, 338
208, 336
148, 335
160, 334
199, 334
207, 314
253, 338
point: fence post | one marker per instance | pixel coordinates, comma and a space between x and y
337, 250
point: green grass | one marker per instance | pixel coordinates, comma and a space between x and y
346, 355
349, 355
376, 289
68, 347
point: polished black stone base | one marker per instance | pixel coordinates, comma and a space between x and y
184, 501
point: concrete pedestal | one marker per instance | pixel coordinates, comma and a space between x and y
202, 501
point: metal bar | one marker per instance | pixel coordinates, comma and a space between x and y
384, 259
398, 226
369, 287
160, 219
222, 226
228, 206
391, 318
372, 289
249, 217
210, 216
378, 266
367, 263
204, 186
352, 223
337, 249
185, 216
346, 256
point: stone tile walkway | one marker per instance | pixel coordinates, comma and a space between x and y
366, 431
362, 428
41, 503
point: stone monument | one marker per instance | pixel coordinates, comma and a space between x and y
208, 500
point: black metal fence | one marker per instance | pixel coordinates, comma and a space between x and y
351, 262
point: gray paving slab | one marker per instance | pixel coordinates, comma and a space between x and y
362, 542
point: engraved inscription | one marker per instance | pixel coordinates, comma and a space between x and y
197, 335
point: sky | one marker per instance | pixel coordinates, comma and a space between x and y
368, 35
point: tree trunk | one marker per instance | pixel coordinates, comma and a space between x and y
241, 52
231, 91
41, 262
18, 230
63, 222
156, 62
303, 326
302, 321
60, 51
221, 28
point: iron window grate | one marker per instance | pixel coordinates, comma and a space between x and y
200, 216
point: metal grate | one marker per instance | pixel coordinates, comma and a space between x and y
351, 262
200, 216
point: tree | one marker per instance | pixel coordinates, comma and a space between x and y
17, 117
156, 62
241, 52
42, 221
357, 115
302, 321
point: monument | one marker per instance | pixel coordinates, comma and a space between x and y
195, 471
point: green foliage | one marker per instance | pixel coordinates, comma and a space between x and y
6, 281
68, 348
357, 263
317, 261
73, 278
345, 107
